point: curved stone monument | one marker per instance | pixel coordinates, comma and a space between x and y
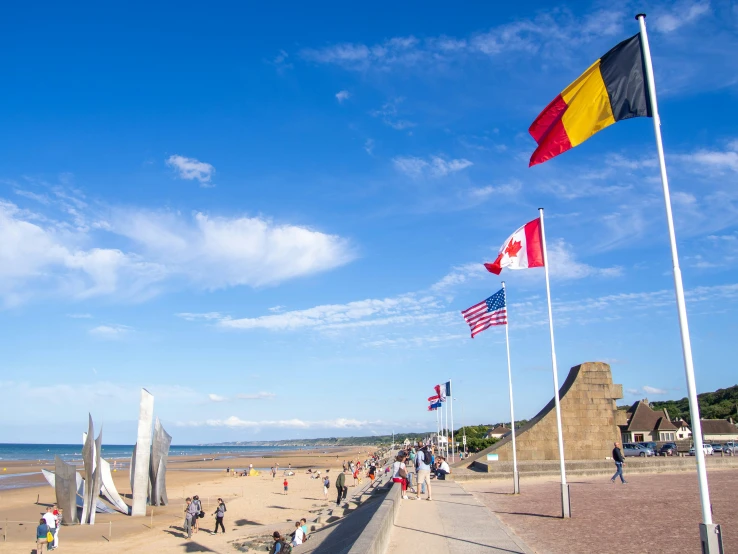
589, 418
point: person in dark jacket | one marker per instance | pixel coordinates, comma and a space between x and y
41, 532
341, 487
617, 455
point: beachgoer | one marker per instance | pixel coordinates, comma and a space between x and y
399, 473
228, 470
219, 514
341, 487
274, 472
59, 517
299, 536
326, 486
198, 506
286, 485
42, 533
355, 475
280, 546
304, 527
190, 516
372, 471
51, 522
617, 456
251, 468
423, 464
442, 470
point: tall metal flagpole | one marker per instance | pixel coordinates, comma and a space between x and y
453, 442
445, 428
516, 476
565, 504
709, 532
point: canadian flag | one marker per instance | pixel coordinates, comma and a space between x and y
523, 249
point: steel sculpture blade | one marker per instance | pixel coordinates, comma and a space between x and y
143, 454
100, 506
65, 485
96, 477
108, 488
88, 457
158, 469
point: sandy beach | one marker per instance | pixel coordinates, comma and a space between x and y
255, 504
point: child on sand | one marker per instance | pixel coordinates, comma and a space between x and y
326, 486
286, 484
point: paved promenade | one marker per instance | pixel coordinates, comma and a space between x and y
454, 522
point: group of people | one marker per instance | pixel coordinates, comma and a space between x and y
194, 513
426, 466
284, 544
47, 532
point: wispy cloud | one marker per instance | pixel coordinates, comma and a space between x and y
646, 390
369, 146
256, 396
80, 316
217, 398
434, 167
714, 161
389, 115
342, 96
192, 169
110, 331
281, 61
680, 14
238, 423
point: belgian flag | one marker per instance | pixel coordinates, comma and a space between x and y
612, 89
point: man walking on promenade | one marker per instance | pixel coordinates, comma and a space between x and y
341, 487
423, 461
617, 455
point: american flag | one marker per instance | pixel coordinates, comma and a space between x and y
487, 313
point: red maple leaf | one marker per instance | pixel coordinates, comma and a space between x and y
513, 248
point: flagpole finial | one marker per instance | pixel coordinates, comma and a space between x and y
638, 16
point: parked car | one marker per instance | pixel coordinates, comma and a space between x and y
633, 449
652, 445
717, 448
645, 446
668, 449
706, 448
730, 448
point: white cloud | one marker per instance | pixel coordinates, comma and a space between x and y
435, 167
716, 161
238, 423
256, 396
110, 331
343, 95
194, 317
507, 189
41, 256
369, 146
217, 398
388, 113
80, 316
564, 265
647, 390
192, 169
682, 13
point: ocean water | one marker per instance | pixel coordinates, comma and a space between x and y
73, 452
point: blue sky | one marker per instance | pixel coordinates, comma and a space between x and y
271, 217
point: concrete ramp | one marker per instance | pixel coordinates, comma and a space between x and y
589, 418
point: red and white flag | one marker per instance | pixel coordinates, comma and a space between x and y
523, 249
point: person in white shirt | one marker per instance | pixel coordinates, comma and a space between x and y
443, 470
399, 473
299, 535
50, 520
423, 463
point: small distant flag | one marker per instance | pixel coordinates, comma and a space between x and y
434, 405
448, 389
521, 250
484, 315
612, 89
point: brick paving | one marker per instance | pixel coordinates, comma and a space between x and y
653, 513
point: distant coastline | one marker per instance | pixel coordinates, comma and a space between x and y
374, 440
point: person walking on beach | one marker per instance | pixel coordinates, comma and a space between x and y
341, 487
326, 486
286, 485
198, 507
274, 472
399, 473
423, 464
299, 535
190, 516
42, 534
59, 515
219, 514
51, 523
617, 456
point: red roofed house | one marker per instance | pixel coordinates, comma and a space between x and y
645, 424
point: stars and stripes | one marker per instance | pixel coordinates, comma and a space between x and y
487, 313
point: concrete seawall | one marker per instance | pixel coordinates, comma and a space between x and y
375, 537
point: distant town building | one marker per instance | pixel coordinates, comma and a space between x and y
645, 424
497, 432
719, 430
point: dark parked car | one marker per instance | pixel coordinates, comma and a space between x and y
717, 448
669, 449
652, 445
